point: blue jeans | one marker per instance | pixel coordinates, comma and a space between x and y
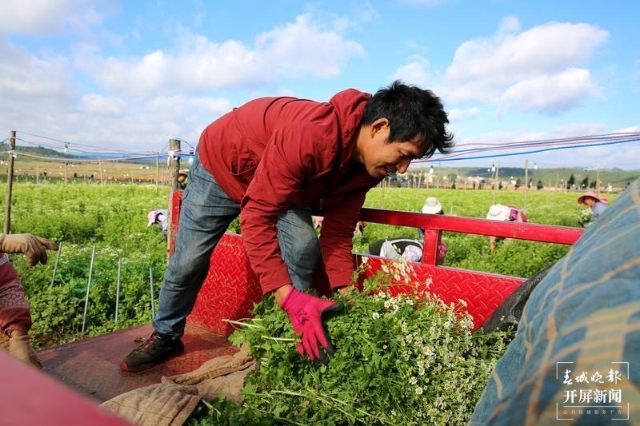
205, 215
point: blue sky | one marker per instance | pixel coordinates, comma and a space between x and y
130, 75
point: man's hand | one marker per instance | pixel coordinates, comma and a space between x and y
35, 248
306, 313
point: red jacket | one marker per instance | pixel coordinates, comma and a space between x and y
15, 313
274, 152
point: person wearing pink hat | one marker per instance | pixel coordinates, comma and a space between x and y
596, 204
159, 217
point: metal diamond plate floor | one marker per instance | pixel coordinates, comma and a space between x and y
77, 364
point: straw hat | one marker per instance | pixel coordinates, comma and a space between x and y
432, 206
590, 194
499, 212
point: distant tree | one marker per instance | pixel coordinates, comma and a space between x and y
571, 181
585, 183
539, 185
518, 183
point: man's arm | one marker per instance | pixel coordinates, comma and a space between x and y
336, 239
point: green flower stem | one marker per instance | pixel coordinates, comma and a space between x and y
326, 402
244, 324
279, 339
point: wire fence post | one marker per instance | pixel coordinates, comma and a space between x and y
86, 300
153, 313
55, 267
7, 204
118, 289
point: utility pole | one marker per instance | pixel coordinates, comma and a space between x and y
157, 171
495, 180
7, 204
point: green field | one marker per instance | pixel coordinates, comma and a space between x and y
130, 258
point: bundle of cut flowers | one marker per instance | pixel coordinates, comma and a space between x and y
586, 217
400, 359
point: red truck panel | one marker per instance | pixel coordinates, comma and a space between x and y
28, 397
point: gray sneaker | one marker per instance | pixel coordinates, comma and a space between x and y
152, 352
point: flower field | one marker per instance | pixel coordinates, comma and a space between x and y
107, 248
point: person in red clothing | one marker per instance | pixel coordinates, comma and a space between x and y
275, 162
15, 312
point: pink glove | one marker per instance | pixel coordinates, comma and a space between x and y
442, 251
306, 313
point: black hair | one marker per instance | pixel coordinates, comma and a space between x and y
411, 111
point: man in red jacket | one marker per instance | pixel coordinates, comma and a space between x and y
274, 162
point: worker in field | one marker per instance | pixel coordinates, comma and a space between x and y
597, 205
15, 312
433, 206
183, 178
357, 232
159, 217
398, 248
574, 359
504, 213
275, 162
407, 248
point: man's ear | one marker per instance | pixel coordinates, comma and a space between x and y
379, 125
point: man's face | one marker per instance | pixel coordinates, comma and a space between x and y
382, 158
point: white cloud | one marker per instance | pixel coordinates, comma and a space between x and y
632, 129
27, 76
499, 69
184, 106
578, 129
304, 47
298, 49
414, 72
550, 94
462, 114
103, 106
50, 16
